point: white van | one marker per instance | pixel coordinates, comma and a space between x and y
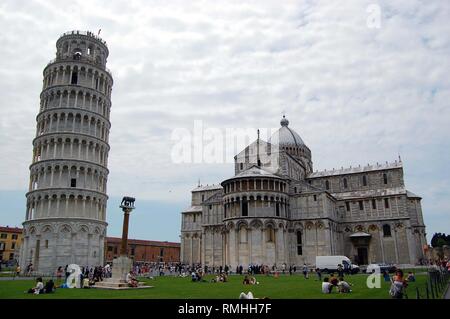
330, 264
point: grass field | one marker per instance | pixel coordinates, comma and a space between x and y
182, 288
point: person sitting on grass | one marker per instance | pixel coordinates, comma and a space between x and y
223, 278
386, 276
131, 280
333, 280
411, 277
246, 280
39, 287
196, 276
343, 286
49, 287
86, 284
248, 295
326, 286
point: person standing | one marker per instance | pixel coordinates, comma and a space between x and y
398, 285
340, 271
319, 274
305, 271
66, 272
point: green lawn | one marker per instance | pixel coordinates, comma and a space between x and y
173, 287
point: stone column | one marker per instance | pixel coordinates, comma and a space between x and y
232, 247
191, 259
124, 243
200, 250
101, 246
411, 244
394, 234
263, 245
73, 247
182, 243
55, 250
328, 239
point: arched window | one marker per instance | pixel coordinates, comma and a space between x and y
385, 181
243, 235
277, 209
270, 235
345, 183
244, 207
386, 230
364, 180
299, 243
327, 185
241, 166
74, 79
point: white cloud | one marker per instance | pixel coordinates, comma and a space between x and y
355, 94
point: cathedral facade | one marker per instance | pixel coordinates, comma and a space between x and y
276, 210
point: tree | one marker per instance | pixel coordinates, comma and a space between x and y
439, 240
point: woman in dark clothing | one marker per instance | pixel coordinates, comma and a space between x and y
49, 287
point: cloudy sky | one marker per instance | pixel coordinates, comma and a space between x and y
360, 81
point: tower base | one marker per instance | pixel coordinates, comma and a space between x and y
121, 267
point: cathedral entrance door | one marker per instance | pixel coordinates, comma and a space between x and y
362, 256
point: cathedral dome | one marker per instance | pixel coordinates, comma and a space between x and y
286, 136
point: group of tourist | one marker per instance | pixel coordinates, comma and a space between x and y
340, 284
335, 280
40, 288
220, 278
399, 284
436, 263
197, 276
250, 280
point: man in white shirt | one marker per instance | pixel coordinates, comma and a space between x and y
343, 286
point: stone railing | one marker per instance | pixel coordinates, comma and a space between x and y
86, 33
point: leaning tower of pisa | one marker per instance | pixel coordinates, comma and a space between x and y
65, 218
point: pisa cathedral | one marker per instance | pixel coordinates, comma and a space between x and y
288, 214
65, 218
